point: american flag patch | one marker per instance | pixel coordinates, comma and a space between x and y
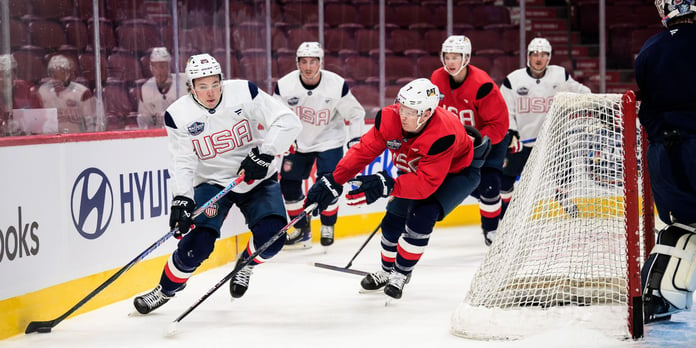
211, 211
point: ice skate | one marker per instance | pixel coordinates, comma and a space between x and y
150, 301
395, 286
488, 237
302, 239
374, 282
240, 282
327, 235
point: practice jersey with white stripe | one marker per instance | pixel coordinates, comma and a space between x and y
322, 110
529, 99
209, 145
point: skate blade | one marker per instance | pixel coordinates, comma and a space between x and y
371, 292
298, 246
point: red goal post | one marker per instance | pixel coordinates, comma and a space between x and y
570, 247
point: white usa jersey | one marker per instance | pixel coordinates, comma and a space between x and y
76, 107
529, 99
208, 146
154, 102
323, 111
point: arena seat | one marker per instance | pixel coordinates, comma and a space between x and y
491, 15
138, 35
107, 39
433, 39
88, 67
360, 68
296, 14
366, 39
338, 13
426, 65
249, 34
123, 65
402, 40
45, 33
52, 9
297, 36
117, 102
397, 67
75, 32
30, 63
338, 39
252, 65
19, 36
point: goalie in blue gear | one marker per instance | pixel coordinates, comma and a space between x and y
668, 113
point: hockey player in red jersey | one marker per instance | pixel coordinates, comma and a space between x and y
472, 95
438, 167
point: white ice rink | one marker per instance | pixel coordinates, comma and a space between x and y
291, 303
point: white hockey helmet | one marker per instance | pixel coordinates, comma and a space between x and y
538, 44
671, 9
310, 49
457, 44
59, 62
160, 54
7, 63
201, 65
419, 94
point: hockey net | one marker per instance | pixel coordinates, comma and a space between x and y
568, 251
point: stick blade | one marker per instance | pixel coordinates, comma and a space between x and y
171, 329
340, 269
39, 326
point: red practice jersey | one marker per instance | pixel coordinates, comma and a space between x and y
477, 102
424, 159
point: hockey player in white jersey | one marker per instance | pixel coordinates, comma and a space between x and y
528, 93
159, 91
76, 105
221, 130
323, 103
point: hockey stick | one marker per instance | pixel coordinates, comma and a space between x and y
172, 327
347, 267
46, 326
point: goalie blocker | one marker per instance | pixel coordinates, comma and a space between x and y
669, 275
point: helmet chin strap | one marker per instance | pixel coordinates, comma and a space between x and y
419, 124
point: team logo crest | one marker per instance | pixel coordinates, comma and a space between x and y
293, 101
196, 128
522, 91
212, 210
287, 166
393, 144
430, 92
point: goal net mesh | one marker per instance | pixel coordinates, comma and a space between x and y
560, 254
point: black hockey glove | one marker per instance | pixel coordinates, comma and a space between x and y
352, 142
324, 192
255, 165
370, 188
181, 215
482, 147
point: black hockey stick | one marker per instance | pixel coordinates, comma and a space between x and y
350, 263
46, 326
172, 327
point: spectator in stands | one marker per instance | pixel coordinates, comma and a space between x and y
14, 94
76, 104
323, 102
473, 97
159, 91
667, 85
528, 93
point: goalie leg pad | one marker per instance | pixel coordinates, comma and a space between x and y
669, 275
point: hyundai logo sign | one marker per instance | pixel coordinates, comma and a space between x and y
92, 203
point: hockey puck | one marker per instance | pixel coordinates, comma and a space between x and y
43, 329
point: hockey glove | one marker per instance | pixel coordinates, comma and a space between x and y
515, 144
255, 165
324, 192
352, 142
370, 188
181, 215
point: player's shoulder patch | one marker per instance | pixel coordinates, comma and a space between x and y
441, 145
484, 90
378, 119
